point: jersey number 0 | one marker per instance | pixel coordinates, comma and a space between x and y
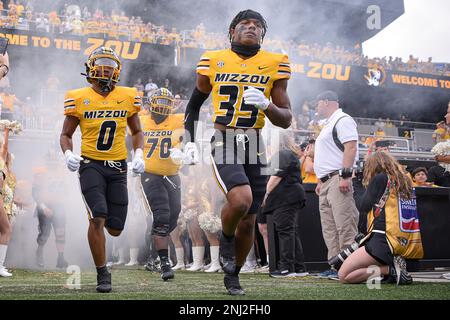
106, 135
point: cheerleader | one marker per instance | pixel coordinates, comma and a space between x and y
8, 209
209, 221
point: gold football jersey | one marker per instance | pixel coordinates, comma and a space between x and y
230, 75
103, 120
158, 140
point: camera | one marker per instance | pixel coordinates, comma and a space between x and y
336, 262
359, 170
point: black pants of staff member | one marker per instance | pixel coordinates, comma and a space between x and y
290, 246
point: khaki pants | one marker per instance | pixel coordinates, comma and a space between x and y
338, 215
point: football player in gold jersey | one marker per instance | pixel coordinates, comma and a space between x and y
103, 112
242, 79
160, 181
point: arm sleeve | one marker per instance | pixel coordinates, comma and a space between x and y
374, 192
136, 102
203, 66
70, 108
283, 68
178, 131
192, 113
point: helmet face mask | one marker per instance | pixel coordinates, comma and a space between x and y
103, 65
161, 102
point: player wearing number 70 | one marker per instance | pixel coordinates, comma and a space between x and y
161, 183
103, 112
242, 79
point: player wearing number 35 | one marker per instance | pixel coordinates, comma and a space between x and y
103, 112
242, 80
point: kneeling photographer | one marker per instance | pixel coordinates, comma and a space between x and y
389, 199
284, 198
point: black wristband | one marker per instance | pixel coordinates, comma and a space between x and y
192, 113
346, 173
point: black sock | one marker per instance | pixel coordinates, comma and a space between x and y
237, 269
229, 238
103, 269
163, 254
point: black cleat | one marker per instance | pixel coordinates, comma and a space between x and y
166, 271
104, 282
61, 262
152, 266
226, 254
232, 285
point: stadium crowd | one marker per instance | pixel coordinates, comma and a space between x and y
72, 19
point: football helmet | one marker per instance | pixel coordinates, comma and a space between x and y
161, 102
104, 65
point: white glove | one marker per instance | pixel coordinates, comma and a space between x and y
138, 164
72, 160
176, 155
190, 153
256, 97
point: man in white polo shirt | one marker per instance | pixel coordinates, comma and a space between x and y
336, 152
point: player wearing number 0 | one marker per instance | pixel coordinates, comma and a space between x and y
160, 182
242, 79
103, 112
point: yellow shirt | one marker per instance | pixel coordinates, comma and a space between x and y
8, 101
103, 120
230, 75
380, 133
441, 134
158, 140
308, 177
427, 184
20, 9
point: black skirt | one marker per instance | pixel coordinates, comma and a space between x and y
378, 247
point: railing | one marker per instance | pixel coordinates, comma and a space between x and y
396, 123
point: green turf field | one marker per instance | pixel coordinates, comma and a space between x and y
140, 284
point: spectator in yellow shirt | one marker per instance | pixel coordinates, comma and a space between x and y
307, 162
441, 133
380, 133
420, 177
9, 100
19, 9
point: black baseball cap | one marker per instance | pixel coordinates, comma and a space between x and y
327, 95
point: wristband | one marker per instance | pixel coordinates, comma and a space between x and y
346, 173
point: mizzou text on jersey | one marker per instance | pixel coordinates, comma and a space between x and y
230, 75
103, 120
158, 140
